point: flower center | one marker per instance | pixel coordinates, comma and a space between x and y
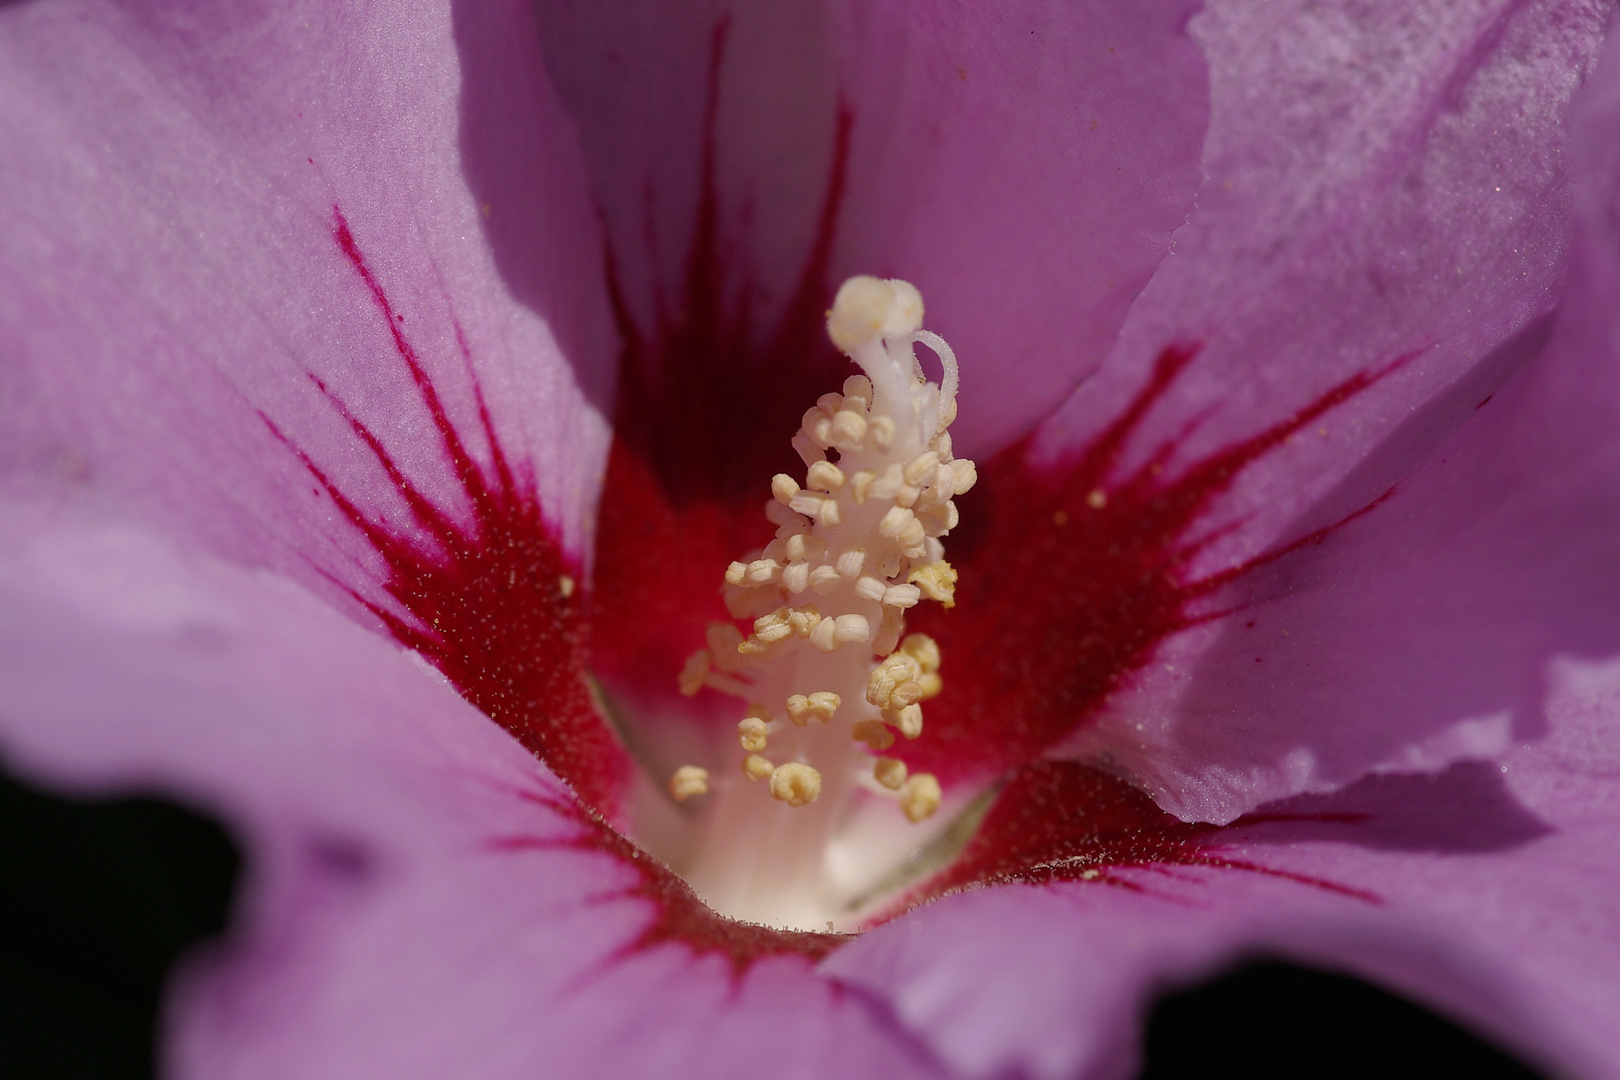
805, 820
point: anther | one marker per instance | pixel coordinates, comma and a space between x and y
736, 573
873, 733
805, 546
757, 768
908, 720
824, 476
824, 579
920, 796
860, 484
689, 780
850, 562
890, 772
784, 487
695, 673
921, 466
901, 596
869, 588
752, 732
797, 784
967, 474
796, 577
937, 582
848, 429
852, 629
881, 429
896, 522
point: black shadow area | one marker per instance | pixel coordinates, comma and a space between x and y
1277, 1021
97, 901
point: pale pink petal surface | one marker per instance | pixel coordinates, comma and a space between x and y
1493, 880
173, 272
1024, 165
412, 904
1387, 196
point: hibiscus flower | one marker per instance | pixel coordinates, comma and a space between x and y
1290, 630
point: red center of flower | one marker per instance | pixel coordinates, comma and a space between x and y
492, 600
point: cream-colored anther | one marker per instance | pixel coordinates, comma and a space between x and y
889, 483
873, 733
752, 732
852, 629
850, 563
942, 445
804, 620
783, 518
784, 487
796, 577
829, 514
824, 579
908, 720
921, 467
907, 693
694, 674
795, 784
896, 523
757, 768
920, 796
820, 706
860, 484
825, 636
941, 486
931, 684
736, 573
907, 495
808, 451
689, 780
869, 588
901, 596
821, 431
888, 635
881, 430
825, 476
857, 388
762, 571
805, 546
824, 704
890, 772
848, 431
830, 403
807, 503
967, 474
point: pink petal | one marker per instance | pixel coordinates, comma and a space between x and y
1494, 892
1392, 641
174, 277
1025, 165
415, 902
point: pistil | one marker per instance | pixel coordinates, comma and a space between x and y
828, 677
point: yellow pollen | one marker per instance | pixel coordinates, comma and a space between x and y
890, 772
689, 780
920, 796
797, 784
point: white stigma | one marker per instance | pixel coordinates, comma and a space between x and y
827, 674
